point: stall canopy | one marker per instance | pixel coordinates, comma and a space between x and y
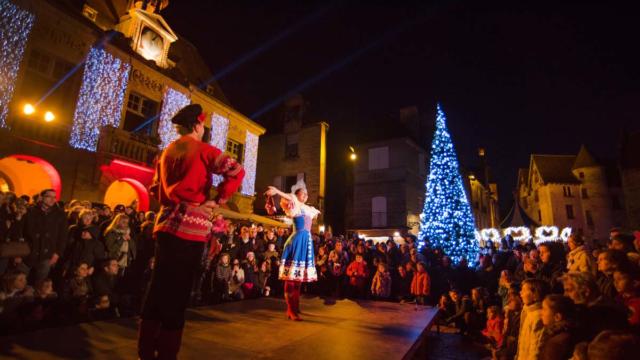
517, 217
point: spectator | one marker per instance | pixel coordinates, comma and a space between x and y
381, 284
614, 345
237, 279
559, 336
262, 279
533, 292
118, 242
505, 284
358, 272
46, 232
493, 332
627, 284
552, 267
513, 311
457, 313
608, 262
84, 246
79, 286
579, 258
222, 276
105, 281
402, 284
421, 284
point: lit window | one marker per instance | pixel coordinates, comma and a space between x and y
234, 149
379, 158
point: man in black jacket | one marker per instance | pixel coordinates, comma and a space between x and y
45, 230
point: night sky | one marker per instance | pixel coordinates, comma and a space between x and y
513, 77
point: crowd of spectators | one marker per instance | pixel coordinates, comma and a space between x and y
552, 300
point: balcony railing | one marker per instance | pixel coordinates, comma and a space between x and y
128, 145
50, 133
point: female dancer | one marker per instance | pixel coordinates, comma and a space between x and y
298, 262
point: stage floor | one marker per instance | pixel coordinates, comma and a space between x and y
250, 329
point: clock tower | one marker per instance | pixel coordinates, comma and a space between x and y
149, 33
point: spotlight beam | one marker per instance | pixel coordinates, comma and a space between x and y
334, 67
55, 86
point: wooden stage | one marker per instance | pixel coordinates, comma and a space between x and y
250, 329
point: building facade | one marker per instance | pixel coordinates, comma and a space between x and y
112, 73
297, 151
574, 191
388, 188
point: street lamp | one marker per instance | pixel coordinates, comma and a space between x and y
28, 109
49, 117
353, 157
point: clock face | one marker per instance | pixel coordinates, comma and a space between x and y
151, 44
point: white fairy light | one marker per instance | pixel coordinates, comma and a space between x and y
219, 132
518, 233
250, 163
172, 102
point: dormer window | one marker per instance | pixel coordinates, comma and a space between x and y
89, 12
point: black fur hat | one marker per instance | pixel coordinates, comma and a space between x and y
188, 115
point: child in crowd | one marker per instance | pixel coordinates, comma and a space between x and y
421, 284
559, 338
493, 332
358, 272
511, 327
531, 327
627, 285
381, 284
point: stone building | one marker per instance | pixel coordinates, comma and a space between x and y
482, 194
574, 191
112, 73
388, 188
295, 150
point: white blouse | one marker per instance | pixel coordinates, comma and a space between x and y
296, 208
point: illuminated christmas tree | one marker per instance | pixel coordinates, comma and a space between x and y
446, 220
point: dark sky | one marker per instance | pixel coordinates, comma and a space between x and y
514, 77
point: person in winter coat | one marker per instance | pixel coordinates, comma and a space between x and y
559, 337
627, 284
223, 276
579, 258
608, 262
45, 230
552, 267
84, 246
237, 279
493, 331
531, 327
358, 272
421, 284
118, 242
381, 284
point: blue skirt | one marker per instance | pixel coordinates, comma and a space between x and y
298, 261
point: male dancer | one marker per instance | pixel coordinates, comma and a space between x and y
182, 183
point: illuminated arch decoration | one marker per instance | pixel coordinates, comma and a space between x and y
15, 27
172, 102
250, 163
124, 191
219, 133
100, 99
518, 233
490, 234
30, 175
565, 233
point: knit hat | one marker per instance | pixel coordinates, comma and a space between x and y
189, 115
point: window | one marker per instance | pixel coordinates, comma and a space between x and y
139, 110
40, 62
234, 149
581, 175
539, 216
379, 211
587, 215
379, 158
291, 180
535, 196
211, 90
585, 195
569, 209
566, 190
291, 146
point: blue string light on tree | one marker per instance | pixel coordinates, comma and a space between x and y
172, 102
100, 100
250, 162
219, 131
446, 220
15, 27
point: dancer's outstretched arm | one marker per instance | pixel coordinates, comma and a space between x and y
272, 190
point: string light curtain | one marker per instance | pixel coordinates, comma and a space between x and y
172, 102
250, 162
15, 27
446, 220
101, 97
219, 132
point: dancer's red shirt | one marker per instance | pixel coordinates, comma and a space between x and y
184, 177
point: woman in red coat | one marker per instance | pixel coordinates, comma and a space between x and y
182, 184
